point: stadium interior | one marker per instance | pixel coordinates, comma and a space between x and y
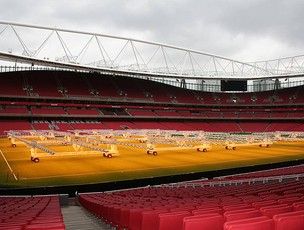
110, 150
64, 101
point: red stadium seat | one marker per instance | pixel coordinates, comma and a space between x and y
257, 223
266, 203
207, 210
135, 218
290, 221
150, 219
236, 207
48, 226
172, 220
211, 221
298, 206
273, 210
241, 214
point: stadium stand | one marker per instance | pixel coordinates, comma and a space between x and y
82, 111
6, 125
41, 125
129, 88
248, 126
269, 173
43, 84
12, 84
14, 110
73, 86
62, 126
119, 125
104, 87
48, 111
176, 126
78, 97
87, 125
142, 113
254, 206
31, 213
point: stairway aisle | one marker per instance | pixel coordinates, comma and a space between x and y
76, 217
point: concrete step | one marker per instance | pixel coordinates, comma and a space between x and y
76, 217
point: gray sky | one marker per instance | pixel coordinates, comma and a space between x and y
246, 30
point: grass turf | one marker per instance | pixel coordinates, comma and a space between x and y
85, 167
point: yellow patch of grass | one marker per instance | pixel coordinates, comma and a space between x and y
91, 167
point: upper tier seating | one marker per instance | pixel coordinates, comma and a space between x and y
105, 86
155, 91
129, 87
12, 84
245, 98
74, 84
43, 84
207, 98
298, 95
181, 95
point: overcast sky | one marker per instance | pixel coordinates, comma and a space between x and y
246, 30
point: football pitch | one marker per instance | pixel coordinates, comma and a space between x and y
68, 167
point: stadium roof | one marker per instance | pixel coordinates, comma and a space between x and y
70, 49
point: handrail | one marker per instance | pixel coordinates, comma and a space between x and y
213, 183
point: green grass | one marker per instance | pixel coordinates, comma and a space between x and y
132, 164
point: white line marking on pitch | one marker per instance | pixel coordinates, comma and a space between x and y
9, 166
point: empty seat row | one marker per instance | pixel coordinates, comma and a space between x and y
158, 208
24, 213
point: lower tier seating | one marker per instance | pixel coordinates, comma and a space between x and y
249, 206
25, 213
207, 126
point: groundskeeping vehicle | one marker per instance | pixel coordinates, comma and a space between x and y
152, 149
111, 151
233, 145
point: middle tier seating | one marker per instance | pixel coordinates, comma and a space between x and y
48, 111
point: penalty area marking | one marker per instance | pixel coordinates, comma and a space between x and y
10, 168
